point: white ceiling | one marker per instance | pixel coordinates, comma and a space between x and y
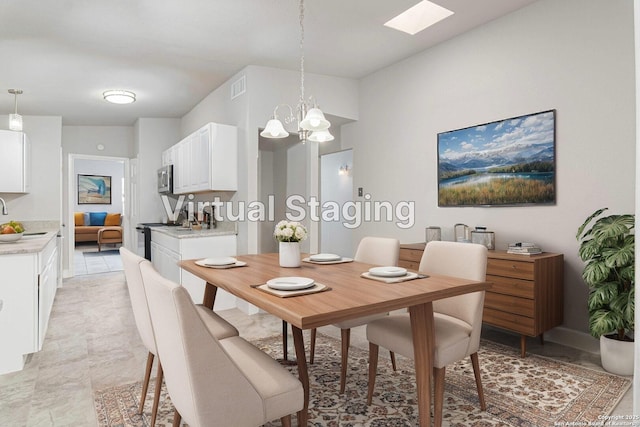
64, 53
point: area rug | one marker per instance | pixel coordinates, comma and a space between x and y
534, 391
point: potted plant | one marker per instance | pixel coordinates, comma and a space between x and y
608, 249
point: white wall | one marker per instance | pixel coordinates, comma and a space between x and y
111, 168
573, 56
43, 202
152, 137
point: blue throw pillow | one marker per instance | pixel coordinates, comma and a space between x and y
97, 218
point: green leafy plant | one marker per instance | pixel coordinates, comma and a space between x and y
608, 248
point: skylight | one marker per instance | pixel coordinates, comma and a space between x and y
419, 17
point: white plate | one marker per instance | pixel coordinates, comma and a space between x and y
325, 257
219, 261
388, 271
290, 283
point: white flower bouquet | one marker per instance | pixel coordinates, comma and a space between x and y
290, 231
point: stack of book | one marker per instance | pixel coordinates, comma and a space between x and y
523, 248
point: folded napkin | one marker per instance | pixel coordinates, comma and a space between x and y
317, 287
337, 261
408, 276
237, 264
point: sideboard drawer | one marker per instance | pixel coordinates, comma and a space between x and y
510, 286
510, 304
409, 265
510, 321
510, 268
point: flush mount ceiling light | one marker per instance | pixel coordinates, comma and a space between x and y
15, 120
119, 96
310, 120
419, 17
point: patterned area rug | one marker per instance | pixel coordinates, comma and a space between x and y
535, 391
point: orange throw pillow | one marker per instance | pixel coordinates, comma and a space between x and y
112, 219
78, 218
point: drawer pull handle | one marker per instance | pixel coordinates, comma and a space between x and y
514, 267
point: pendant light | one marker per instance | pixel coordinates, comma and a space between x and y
309, 118
15, 119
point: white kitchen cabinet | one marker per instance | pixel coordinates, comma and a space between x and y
167, 251
47, 286
15, 162
206, 160
27, 291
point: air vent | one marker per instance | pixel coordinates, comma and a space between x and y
238, 87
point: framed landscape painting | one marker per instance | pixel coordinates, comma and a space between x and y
94, 189
510, 162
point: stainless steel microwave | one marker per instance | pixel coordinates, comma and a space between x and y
165, 179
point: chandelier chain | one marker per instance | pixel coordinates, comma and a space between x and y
301, 51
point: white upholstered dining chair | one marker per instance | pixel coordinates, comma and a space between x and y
457, 320
213, 382
218, 326
381, 251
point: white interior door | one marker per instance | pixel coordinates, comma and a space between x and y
336, 185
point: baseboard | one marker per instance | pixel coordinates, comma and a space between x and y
572, 338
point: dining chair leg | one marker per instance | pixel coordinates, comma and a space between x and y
438, 395
285, 349
156, 394
346, 338
286, 421
145, 382
373, 367
477, 374
393, 360
177, 418
312, 346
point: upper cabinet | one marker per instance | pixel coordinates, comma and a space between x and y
206, 160
15, 162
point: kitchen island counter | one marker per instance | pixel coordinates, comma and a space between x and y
30, 243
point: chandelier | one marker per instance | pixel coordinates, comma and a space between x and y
311, 123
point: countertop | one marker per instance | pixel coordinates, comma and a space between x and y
223, 229
28, 244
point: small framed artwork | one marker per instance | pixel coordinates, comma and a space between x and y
94, 190
509, 162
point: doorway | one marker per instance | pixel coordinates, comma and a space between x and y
85, 257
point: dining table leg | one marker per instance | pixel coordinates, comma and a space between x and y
209, 295
423, 331
303, 373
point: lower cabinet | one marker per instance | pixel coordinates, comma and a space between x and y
27, 291
168, 251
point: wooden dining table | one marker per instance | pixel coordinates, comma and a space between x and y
348, 296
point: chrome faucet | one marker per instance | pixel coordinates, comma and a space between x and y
4, 207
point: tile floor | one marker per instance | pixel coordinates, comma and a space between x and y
92, 343
88, 260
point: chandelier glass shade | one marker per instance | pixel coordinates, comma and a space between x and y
15, 119
308, 117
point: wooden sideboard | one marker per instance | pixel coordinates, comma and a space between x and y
527, 295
